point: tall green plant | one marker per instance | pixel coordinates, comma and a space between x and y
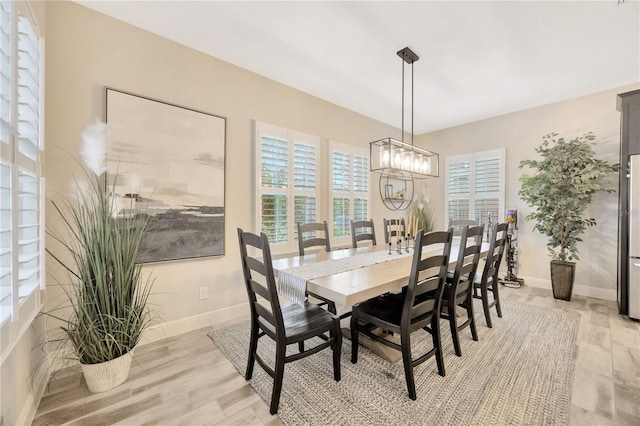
561, 189
107, 293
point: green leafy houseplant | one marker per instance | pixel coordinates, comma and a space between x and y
106, 293
561, 188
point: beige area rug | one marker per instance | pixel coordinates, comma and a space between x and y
518, 373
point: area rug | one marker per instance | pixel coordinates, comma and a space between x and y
519, 372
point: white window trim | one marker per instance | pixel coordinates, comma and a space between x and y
472, 158
352, 150
292, 136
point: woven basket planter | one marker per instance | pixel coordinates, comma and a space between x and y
107, 375
562, 277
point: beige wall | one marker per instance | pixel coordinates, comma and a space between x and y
87, 51
519, 133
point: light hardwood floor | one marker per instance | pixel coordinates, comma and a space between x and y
186, 380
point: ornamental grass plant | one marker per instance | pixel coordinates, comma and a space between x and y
107, 293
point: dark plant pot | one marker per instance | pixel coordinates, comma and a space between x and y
562, 276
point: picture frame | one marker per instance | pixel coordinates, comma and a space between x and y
172, 158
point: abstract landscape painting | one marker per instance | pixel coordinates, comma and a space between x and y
171, 159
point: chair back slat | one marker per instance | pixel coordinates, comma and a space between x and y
437, 245
260, 280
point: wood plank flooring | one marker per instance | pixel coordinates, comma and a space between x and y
186, 380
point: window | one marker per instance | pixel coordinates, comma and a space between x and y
287, 189
475, 186
349, 188
21, 183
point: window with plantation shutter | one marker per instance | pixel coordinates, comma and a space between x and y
288, 187
349, 188
21, 182
475, 186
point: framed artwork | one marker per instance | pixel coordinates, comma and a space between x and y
173, 159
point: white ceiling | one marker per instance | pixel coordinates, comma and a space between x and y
478, 59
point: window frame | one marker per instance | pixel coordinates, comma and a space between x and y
352, 195
472, 196
290, 191
23, 150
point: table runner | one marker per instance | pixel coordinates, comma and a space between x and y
292, 282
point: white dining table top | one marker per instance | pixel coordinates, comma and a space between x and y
357, 285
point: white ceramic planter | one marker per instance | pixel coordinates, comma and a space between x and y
107, 375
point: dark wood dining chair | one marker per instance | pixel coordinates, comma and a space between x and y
488, 281
307, 241
411, 310
285, 323
458, 290
458, 224
390, 227
362, 230
314, 241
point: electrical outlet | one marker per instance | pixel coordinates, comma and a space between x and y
204, 293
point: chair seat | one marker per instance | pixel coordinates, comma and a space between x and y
300, 321
387, 308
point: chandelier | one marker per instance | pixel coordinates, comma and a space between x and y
399, 162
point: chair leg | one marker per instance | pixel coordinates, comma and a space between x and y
437, 343
277, 379
472, 319
301, 346
354, 337
453, 324
485, 306
405, 343
253, 345
496, 297
337, 348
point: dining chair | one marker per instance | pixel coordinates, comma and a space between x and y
362, 230
407, 312
458, 291
488, 281
458, 224
304, 229
310, 230
392, 229
285, 323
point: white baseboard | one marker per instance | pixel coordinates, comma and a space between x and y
582, 290
174, 328
30, 406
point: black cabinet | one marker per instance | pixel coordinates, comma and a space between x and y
629, 107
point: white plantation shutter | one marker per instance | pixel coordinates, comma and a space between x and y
6, 70
475, 186
274, 159
6, 259
360, 187
6, 160
21, 183
349, 188
458, 179
287, 192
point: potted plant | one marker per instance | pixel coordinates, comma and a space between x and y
561, 189
106, 295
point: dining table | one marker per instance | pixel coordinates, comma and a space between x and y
352, 275
337, 277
